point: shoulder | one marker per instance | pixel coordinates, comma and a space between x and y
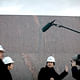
42, 69
1, 62
74, 68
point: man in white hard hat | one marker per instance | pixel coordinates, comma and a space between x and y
4, 72
8, 62
9, 65
48, 72
2, 66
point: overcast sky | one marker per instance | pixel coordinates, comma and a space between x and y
40, 7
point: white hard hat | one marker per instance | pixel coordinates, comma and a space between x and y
51, 59
1, 48
7, 60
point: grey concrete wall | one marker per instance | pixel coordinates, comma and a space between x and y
24, 41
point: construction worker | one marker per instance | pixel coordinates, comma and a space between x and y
8, 62
2, 66
75, 63
4, 73
48, 72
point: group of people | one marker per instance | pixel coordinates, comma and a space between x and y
6, 64
46, 73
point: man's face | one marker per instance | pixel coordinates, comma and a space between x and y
10, 67
1, 54
50, 64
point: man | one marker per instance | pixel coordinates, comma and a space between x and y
49, 73
4, 73
75, 65
9, 63
1, 52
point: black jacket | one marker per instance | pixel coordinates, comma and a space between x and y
4, 72
76, 73
47, 73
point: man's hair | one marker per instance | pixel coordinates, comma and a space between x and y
52, 62
8, 64
1, 51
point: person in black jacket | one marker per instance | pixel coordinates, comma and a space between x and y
49, 73
75, 71
4, 73
9, 63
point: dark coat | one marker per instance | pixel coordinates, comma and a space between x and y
47, 73
76, 73
4, 72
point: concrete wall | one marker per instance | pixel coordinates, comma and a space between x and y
24, 41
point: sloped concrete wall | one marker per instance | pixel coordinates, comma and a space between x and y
24, 41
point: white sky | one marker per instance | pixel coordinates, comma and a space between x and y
40, 7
